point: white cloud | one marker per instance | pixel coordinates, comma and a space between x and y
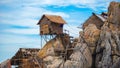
22, 22
73, 30
26, 17
23, 31
10, 43
17, 39
6, 1
93, 4
27, 11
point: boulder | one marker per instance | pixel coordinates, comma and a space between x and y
91, 34
56, 63
48, 60
107, 50
82, 55
50, 46
71, 64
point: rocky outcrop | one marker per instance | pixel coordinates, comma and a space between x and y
95, 48
49, 48
103, 58
114, 13
91, 34
81, 56
53, 61
108, 46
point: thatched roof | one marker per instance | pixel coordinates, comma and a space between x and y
53, 18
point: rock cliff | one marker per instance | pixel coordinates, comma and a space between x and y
95, 48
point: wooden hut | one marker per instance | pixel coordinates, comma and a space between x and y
96, 19
22, 55
51, 24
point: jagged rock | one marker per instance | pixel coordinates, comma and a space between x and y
49, 46
81, 56
107, 48
91, 35
95, 48
103, 58
114, 13
116, 64
50, 51
48, 59
55, 63
71, 64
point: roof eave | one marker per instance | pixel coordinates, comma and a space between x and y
41, 19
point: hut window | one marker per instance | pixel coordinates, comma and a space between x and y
50, 30
61, 25
41, 32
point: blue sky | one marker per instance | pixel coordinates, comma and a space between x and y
18, 19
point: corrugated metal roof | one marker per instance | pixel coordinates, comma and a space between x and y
54, 19
101, 17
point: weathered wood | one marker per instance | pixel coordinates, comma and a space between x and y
23, 53
51, 24
94, 19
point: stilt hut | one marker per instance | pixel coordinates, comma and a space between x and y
51, 24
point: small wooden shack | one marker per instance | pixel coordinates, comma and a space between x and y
22, 55
51, 24
96, 19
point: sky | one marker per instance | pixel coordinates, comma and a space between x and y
19, 18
